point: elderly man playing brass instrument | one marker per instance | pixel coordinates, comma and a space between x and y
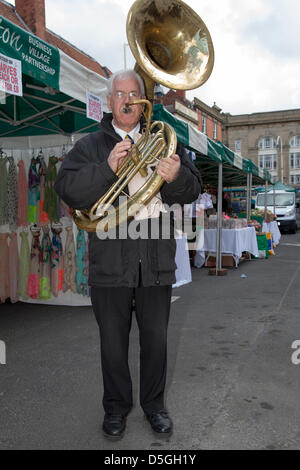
121, 270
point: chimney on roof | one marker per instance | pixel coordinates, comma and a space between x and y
33, 13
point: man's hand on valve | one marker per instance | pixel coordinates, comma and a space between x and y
118, 153
169, 168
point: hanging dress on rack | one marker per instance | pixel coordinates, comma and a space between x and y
86, 269
4, 266
69, 262
22, 196
33, 191
43, 216
57, 262
45, 275
81, 279
63, 209
3, 191
13, 267
34, 269
24, 264
51, 197
12, 194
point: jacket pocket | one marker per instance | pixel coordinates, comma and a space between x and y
105, 258
163, 255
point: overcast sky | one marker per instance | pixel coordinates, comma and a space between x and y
257, 66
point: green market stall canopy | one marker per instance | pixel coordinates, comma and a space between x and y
54, 88
210, 153
278, 186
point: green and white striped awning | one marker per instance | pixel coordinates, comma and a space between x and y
246, 165
187, 134
54, 87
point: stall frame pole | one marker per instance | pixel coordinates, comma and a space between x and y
266, 194
251, 184
220, 220
248, 198
274, 204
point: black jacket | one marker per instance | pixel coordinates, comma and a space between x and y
84, 176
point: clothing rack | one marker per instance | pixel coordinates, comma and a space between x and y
7, 231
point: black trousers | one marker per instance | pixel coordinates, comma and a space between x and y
113, 310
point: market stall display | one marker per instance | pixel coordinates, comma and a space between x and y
41, 248
262, 245
235, 242
272, 227
183, 272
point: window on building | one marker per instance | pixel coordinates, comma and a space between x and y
238, 146
295, 141
267, 143
215, 131
295, 179
294, 160
268, 161
204, 124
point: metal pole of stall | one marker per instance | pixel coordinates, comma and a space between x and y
220, 220
251, 178
266, 194
248, 192
125, 56
274, 202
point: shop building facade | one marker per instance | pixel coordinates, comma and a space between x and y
271, 140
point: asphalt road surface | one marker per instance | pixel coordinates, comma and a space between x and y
233, 376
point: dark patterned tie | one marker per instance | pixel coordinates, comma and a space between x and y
127, 136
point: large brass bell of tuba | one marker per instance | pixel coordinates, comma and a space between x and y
170, 43
173, 47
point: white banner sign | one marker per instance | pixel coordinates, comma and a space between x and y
10, 75
94, 108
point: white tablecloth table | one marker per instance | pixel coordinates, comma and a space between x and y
234, 242
183, 272
273, 228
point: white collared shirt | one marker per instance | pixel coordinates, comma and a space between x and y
123, 134
155, 206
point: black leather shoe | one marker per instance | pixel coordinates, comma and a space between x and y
114, 426
160, 422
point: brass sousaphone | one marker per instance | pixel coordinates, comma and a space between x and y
172, 47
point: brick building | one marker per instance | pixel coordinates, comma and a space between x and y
30, 15
208, 120
270, 139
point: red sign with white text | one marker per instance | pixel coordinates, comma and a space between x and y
93, 107
10, 75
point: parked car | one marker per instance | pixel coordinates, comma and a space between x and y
285, 208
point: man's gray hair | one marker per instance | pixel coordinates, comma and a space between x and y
124, 75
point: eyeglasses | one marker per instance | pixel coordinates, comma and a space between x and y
132, 95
